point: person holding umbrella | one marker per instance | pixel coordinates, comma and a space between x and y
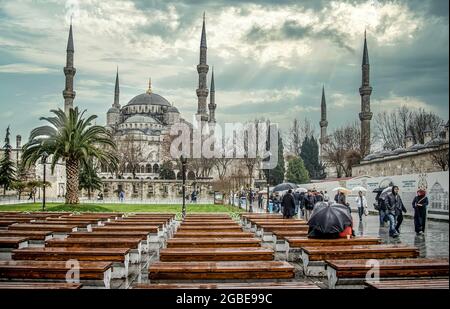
288, 205
420, 204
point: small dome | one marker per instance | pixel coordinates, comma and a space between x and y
148, 99
173, 109
141, 119
113, 110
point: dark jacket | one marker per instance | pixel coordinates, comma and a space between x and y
423, 200
309, 202
296, 198
288, 205
394, 204
340, 199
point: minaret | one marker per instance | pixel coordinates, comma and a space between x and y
113, 114
323, 124
116, 103
69, 71
202, 69
212, 101
365, 91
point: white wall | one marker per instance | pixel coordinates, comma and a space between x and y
437, 185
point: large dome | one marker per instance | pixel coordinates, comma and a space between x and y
149, 99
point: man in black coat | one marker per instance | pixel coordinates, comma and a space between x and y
288, 205
394, 210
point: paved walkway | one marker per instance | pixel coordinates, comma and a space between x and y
435, 243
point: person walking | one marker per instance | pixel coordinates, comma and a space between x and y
297, 197
380, 205
420, 204
326, 198
288, 205
394, 211
309, 204
362, 204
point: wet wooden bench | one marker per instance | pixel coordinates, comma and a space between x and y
33, 236
195, 234
144, 236
213, 242
408, 284
220, 270
267, 234
134, 244
4, 222
75, 220
229, 286
58, 230
209, 223
355, 272
295, 244
91, 273
120, 257
39, 286
7, 244
208, 229
155, 235
313, 258
215, 254
279, 238
81, 225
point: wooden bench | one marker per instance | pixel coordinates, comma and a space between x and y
313, 258
57, 229
215, 254
81, 225
213, 242
207, 229
91, 273
405, 284
148, 242
75, 220
195, 234
354, 272
11, 220
134, 244
7, 244
279, 242
210, 223
39, 286
295, 244
220, 270
229, 286
117, 228
120, 257
33, 236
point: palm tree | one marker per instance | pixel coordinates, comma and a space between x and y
74, 140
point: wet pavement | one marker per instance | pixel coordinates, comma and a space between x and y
434, 243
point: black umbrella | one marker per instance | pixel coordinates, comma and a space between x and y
329, 220
284, 186
378, 190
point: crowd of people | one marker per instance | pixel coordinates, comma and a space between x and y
390, 206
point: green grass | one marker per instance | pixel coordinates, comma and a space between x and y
120, 208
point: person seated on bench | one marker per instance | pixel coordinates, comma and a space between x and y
330, 221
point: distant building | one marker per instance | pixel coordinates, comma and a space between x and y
412, 159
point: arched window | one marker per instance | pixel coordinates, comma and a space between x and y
179, 175
155, 168
149, 168
191, 175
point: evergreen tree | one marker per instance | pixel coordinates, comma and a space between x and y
89, 180
296, 171
276, 175
310, 156
166, 171
7, 170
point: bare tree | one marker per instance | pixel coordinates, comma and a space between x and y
131, 156
343, 149
392, 127
221, 165
440, 158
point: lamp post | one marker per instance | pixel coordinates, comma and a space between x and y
183, 175
269, 154
44, 161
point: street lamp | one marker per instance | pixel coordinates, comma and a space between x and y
269, 154
183, 175
44, 161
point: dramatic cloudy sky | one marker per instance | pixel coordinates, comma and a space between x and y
271, 57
